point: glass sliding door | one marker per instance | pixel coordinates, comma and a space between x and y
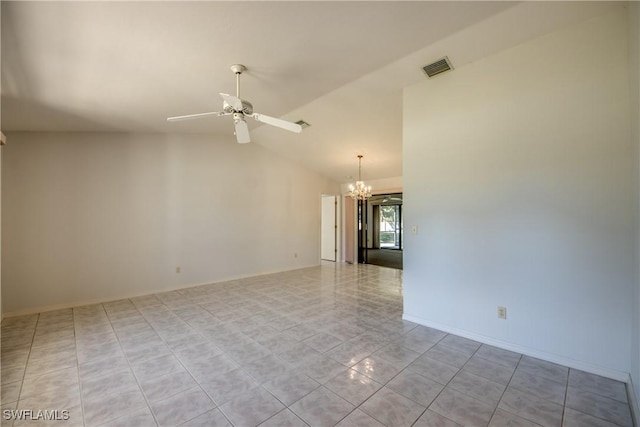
363, 253
390, 227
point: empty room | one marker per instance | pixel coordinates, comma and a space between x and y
195, 197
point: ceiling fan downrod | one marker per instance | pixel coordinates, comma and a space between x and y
238, 69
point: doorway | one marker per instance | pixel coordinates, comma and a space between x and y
383, 230
329, 229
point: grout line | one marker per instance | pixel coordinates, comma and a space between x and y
162, 303
505, 390
144, 396
26, 364
75, 338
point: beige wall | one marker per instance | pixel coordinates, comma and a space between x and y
93, 217
634, 80
1, 311
518, 170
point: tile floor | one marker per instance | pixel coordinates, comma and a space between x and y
320, 346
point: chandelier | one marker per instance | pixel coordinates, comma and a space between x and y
359, 191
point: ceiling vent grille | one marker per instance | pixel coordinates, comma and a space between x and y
440, 66
303, 124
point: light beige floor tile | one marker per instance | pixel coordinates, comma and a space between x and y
528, 406
291, 386
322, 407
503, 357
353, 386
544, 369
599, 406
291, 332
182, 407
392, 409
415, 387
540, 387
322, 368
447, 355
12, 374
431, 368
113, 406
211, 418
463, 409
101, 367
573, 418
159, 388
266, 368
490, 370
10, 392
50, 382
478, 387
599, 385
377, 369
142, 417
433, 419
228, 385
460, 344
359, 419
503, 418
155, 367
284, 418
251, 408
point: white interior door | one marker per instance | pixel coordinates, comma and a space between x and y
329, 228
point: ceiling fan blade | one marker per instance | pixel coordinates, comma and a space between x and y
196, 116
242, 131
293, 127
234, 101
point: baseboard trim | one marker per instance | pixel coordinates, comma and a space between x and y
549, 357
101, 300
633, 398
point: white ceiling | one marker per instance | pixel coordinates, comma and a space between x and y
341, 66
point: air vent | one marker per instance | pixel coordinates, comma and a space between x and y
438, 67
303, 124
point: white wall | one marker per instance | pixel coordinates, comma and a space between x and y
518, 171
1, 312
634, 73
92, 217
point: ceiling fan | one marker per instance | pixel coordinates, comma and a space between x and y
389, 198
240, 109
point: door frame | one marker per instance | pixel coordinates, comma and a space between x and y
336, 226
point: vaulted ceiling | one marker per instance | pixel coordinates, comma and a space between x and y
341, 66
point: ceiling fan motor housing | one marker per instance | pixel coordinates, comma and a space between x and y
247, 108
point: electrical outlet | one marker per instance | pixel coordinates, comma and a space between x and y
414, 229
178, 269
502, 313
295, 255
